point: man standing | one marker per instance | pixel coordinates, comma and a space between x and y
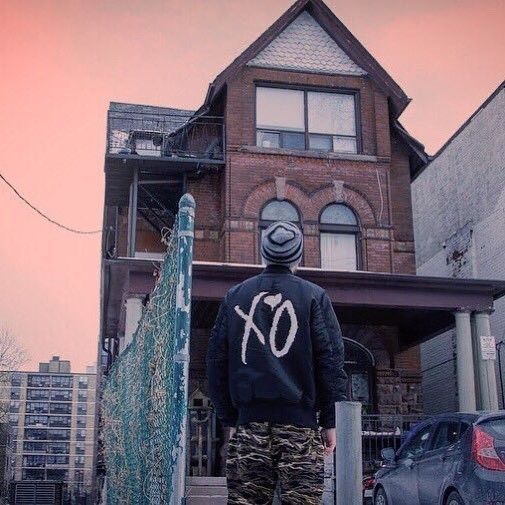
275, 369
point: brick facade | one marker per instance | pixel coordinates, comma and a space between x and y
374, 183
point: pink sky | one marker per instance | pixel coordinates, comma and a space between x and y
63, 61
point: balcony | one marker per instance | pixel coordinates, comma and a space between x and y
159, 142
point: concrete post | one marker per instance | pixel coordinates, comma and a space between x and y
487, 374
465, 363
348, 455
134, 309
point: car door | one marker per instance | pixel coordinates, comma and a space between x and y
402, 479
436, 462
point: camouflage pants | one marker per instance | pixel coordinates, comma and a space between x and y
259, 454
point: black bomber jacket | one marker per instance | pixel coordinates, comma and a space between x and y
276, 353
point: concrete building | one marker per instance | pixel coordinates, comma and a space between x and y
302, 126
459, 224
52, 420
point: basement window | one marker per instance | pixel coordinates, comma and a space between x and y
306, 119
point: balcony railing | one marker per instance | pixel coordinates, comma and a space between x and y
165, 135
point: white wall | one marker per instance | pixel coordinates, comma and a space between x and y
459, 226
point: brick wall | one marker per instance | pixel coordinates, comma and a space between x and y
375, 184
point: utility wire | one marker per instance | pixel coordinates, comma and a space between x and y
45, 216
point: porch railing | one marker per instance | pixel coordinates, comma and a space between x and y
378, 431
162, 135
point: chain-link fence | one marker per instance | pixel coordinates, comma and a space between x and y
144, 402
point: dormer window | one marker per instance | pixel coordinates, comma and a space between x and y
305, 119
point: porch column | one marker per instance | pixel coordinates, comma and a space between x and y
465, 363
486, 368
134, 308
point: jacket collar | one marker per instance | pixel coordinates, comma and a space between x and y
277, 269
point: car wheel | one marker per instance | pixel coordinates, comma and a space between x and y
380, 497
454, 499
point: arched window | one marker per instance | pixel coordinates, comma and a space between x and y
277, 210
339, 238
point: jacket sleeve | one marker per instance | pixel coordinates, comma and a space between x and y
328, 348
217, 369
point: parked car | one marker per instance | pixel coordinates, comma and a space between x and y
449, 459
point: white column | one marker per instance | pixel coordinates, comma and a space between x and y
486, 367
133, 314
465, 363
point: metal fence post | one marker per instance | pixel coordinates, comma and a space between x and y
348, 455
185, 236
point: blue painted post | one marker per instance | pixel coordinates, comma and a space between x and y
185, 236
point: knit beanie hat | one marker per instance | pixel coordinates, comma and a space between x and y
282, 243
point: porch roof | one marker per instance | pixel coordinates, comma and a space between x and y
419, 306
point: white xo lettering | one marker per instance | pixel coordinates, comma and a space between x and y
273, 301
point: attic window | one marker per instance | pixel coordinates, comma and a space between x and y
306, 119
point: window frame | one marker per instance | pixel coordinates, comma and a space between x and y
342, 229
401, 454
306, 89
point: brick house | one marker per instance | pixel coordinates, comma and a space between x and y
303, 125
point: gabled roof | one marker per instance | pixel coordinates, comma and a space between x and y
337, 31
305, 46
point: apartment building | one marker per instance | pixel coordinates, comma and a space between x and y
52, 421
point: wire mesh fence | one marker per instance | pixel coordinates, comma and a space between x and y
144, 403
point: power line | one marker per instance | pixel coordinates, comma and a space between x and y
45, 216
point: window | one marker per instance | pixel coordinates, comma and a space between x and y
80, 448
339, 238
278, 210
61, 395
36, 420
302, 119
80, 435
16, 379
58, 448
57, 474
57, 460
81, 421
14, 406
35, 434
15, 394
61, 381
34, 446
59, 421
82, 396
55, 434
37, 394
39, 380
33, 474
83, 382
446, 434
61, 408
37, 407
34, 461
82, 408
417, 444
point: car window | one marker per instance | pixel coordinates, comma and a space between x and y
417, 444
446, 434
